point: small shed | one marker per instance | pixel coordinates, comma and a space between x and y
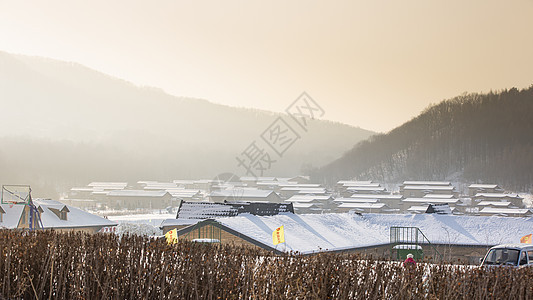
400, 252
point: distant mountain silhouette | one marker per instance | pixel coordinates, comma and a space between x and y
63, 124
473, 137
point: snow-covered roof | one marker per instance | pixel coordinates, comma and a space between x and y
429, 187
496, 195
365, 188
355, 184
307, 198
363, 205
108, 184
427, 183
11, 217
160, 186
418, 208
438, 196
358, 182
184, 194
242, 193
430, 200
312, 232
304, 205
505, 211
300, 185
377, 196
312, 192
76, 218
483, 186
183, 182
269, 183
136, 193
82, 189
356, 200
298, 188
210, 210
494, 203
249, 178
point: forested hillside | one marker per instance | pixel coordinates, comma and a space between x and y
473, 137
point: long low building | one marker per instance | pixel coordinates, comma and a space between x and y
363, 207
345, 232
355, 200
421, 190
506, 212
409, 202
135, 199
245, 194
515, 199
392, 201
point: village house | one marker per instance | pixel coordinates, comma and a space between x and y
186, 194
271, 185
455, 204
442, 208
474, 189
51, 214
287, 192
494, 204
515, 199
95, 188
139, 199
418, 189
392, 201
245, 195
306, 204
343, 200
346, 188
344, 183
354, 190
190, 213
363, 207
505, 212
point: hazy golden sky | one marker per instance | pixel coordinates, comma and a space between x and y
373, 64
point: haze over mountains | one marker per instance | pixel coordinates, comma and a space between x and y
63, 124
486, 138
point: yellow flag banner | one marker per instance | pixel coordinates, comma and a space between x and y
526, 239
172, 236
278, 236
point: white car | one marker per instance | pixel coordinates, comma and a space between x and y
515, 255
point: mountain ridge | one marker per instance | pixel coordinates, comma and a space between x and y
472, 137
50, 104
